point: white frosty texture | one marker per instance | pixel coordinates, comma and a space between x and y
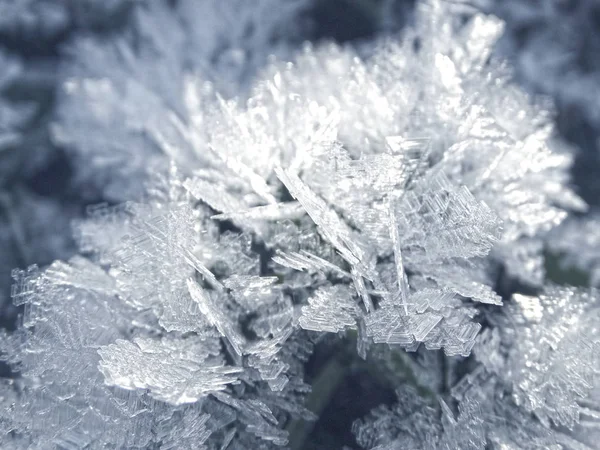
548, 348
168, 345
132, 87
466, 108
66, 319
485, 419
330, 309
413, 423
174, 370
448, 96
345, 193
186, 318
432, 316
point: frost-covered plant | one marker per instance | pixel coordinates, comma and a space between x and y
486, 418
121, 93
434, 93
148, 326
345, 193
536, 386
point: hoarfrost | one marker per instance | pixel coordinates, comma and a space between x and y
174, 370
406, 170
134, 89
547, 347
330, 309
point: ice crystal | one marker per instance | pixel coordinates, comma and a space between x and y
453, 104
345, 191
486, 418
431, 316
330, 309
132, 87
173, 370
414, 423
547, 347
161, 342
514, 167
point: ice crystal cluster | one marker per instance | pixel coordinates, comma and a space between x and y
374, 193
123, 94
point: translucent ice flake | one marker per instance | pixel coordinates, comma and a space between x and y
136, 92
466, 431
278, 211
437, 221
82, 274
257, 417
304, 260
214, 196
547, 347
102, 230
329, 223
176, 371
402, 279
520, 183
330, 309
159, 254
216, 316
435, 318
252, 292
468, 281
191, 430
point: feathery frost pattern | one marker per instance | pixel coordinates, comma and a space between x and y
373, 194
537, 336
